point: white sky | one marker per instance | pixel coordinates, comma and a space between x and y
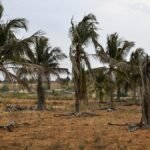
130, 18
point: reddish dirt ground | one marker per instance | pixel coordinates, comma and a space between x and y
45, 131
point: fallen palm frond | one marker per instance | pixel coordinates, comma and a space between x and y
80, 114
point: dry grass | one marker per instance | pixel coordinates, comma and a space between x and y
47, 132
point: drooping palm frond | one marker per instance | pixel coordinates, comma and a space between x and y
1, 10
17, 49
44, 59
73, 61
16, 24
116, 50
12, 49
125, 48
85, 31
136, 56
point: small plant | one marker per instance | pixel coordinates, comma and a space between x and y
4, 88
54, 92
81, 146
55, 146
97, 142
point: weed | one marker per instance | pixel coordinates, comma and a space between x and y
82, 146
97, 142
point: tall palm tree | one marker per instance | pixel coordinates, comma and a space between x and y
81, 35
114, 55
12, 49
48, 59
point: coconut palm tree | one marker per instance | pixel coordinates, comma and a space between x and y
48, 59
81, 35
114, 55
101, 81
120, 83
135, 77
12, 49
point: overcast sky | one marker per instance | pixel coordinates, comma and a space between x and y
130, 18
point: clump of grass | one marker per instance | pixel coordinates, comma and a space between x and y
82, 146
97, 142
17, 95
55, 146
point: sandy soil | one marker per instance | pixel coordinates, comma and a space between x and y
45, 131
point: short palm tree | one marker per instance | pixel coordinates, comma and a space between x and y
48, 59
114, 56
101, 81
120, 82
81, 35
135, 77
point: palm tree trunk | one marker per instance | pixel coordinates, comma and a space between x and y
145, 78
100, 97
48, 84
111, 97
145, 120
78, 82
77, 103
83, 87
118, 92
126, 88
134, 92
111, 89
40, 94
77, 93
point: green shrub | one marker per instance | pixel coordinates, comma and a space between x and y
4, 88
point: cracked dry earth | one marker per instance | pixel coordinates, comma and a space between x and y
45, 131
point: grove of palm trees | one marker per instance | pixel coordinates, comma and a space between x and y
47, 105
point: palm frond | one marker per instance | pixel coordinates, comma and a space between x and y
17, 23
1, 10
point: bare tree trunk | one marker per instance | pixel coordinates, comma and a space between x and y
145, 78
77, 81
83, 86
48, 84
100, 97
111, 89
40, 94
146, 102
146, 111
134, 92
111, 97
77, 104
48, 81
77, 93
118, 92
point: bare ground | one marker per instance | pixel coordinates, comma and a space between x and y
45, 131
